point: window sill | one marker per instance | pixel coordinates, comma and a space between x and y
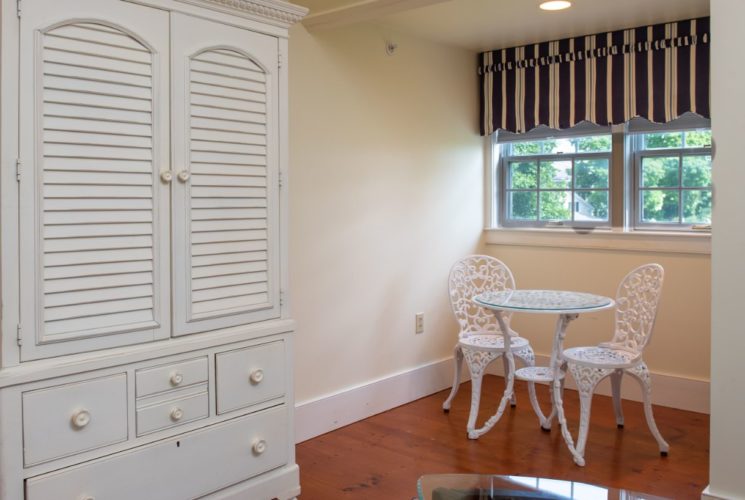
605, 239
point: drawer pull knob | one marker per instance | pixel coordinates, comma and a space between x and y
257, 376
176, 378
166, 176
184, 175
259, 447
177, 414
81, 418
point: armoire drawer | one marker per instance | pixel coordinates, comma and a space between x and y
68, 419
188, 466
172, 376
249, 376
165, 413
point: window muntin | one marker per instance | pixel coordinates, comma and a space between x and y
557, 180
673, 179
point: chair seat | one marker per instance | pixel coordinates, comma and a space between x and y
491, 342
601, 357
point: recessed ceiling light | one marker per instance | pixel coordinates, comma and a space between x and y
555, 5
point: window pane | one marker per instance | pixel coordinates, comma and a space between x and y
556, 205
698, 139
591, 173
591, 206
660, 171
525, 148
523, 175
523, 205
663, 140
555, 146
659, 205
697, 206
556, 174
697, 171
594, 144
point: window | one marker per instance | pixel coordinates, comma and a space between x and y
639, 176
557, 180
673, 178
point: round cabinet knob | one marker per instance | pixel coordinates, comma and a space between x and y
81, 418
166, 176
176, 378
257, 376
259, 447
184, 175
177, 414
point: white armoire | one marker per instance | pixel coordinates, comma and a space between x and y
146, 349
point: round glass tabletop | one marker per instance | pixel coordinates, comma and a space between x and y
543, 301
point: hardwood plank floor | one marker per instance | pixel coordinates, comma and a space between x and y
383, 456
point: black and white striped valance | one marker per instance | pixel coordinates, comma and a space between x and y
656, 72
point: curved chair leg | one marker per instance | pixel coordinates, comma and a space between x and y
641, 373
586, 378
506, 364
458, 362
615, 380
477, 363
509, 388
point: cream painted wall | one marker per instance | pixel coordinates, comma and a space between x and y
680, 345
727, 454
385, 193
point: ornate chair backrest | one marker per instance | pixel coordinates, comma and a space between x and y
471, 276
636, 307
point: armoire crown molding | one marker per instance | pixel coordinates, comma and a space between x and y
278, 13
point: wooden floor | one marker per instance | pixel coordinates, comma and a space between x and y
382, 457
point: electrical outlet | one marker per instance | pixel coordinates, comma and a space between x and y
419, 323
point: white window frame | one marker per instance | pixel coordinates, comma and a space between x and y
498, 198
639, 153
624, 211
573, 157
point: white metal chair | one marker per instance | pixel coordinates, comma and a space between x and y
480, 341
636, 309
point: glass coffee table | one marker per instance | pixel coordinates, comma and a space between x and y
493, 487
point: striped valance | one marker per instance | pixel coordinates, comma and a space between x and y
656, 72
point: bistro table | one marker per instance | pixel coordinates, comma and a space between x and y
568, 305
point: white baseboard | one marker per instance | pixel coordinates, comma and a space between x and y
326, 413
667, 390
707, 495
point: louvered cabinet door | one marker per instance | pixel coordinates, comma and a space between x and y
94, 211
225, 212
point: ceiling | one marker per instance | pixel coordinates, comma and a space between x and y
490, 24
